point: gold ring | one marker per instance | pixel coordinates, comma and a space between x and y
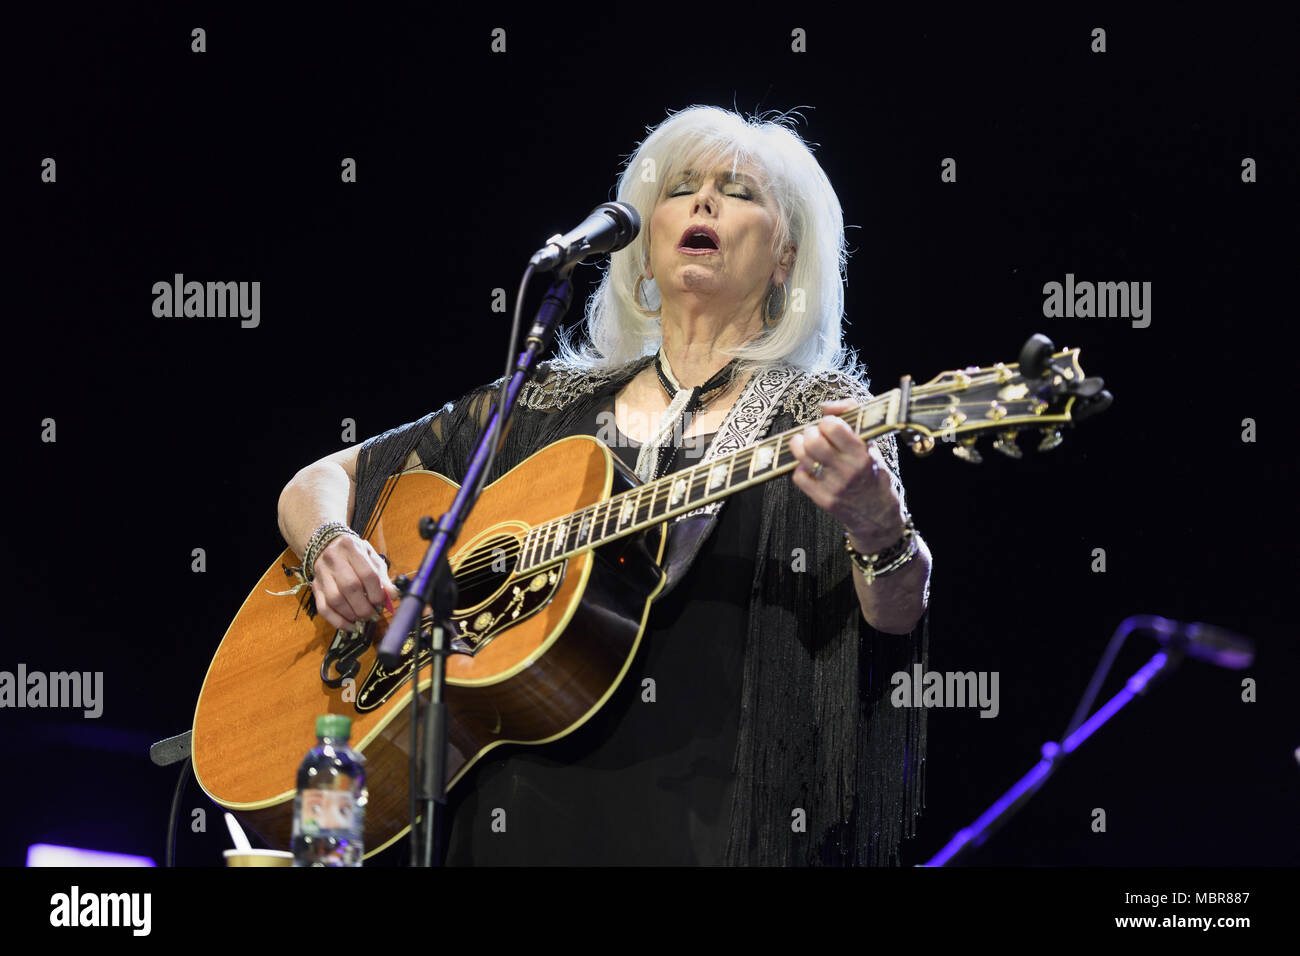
817, 469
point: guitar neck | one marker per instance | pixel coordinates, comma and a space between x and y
683, 491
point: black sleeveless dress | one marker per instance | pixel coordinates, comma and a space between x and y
648, 779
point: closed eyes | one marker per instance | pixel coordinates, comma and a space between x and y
683, 189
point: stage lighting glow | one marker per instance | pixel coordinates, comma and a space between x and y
48, 854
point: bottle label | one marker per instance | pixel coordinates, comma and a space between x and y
328, 811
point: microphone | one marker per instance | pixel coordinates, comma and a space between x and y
1204, 642
610, 227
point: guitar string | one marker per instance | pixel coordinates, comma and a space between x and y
468, 574
664, 486
385, 493
743, 457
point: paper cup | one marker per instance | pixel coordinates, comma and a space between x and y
258, 858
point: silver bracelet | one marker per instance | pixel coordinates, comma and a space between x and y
319, 539
884, 562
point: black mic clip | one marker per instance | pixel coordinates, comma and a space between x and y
550, 255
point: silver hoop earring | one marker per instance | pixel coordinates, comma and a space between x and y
768, 321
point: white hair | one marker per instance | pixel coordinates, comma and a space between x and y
810, 334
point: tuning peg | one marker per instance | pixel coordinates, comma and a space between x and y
1051, 438
923, 445
1093, 406
1006, 443
1089, 387
967, 451
1036, 356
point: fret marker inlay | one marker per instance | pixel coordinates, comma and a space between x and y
679, 491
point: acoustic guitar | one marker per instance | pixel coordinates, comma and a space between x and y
556, 569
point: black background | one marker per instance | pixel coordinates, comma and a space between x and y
179, 433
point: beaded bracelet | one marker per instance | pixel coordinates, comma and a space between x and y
884, 562
319, 539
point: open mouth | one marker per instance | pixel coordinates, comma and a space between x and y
699, 239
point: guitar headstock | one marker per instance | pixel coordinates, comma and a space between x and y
1045, 391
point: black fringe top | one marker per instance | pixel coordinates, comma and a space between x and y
817, 732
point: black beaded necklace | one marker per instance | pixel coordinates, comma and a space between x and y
723, 377
720, 380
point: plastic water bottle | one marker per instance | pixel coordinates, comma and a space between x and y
329, 810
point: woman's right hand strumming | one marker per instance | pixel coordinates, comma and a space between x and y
351, 582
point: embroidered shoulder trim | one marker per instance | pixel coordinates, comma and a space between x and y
803, 399
565, 384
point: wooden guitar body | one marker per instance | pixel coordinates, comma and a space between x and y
555, 570
538, 652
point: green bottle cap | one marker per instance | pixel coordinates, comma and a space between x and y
334, 726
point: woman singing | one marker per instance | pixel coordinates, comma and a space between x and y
754, 724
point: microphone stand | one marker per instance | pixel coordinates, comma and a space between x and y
1053, 753
433, 585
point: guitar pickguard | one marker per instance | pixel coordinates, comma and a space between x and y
474, 628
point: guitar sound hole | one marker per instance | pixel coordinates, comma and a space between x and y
485, 570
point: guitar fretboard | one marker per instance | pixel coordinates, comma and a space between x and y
685, 490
